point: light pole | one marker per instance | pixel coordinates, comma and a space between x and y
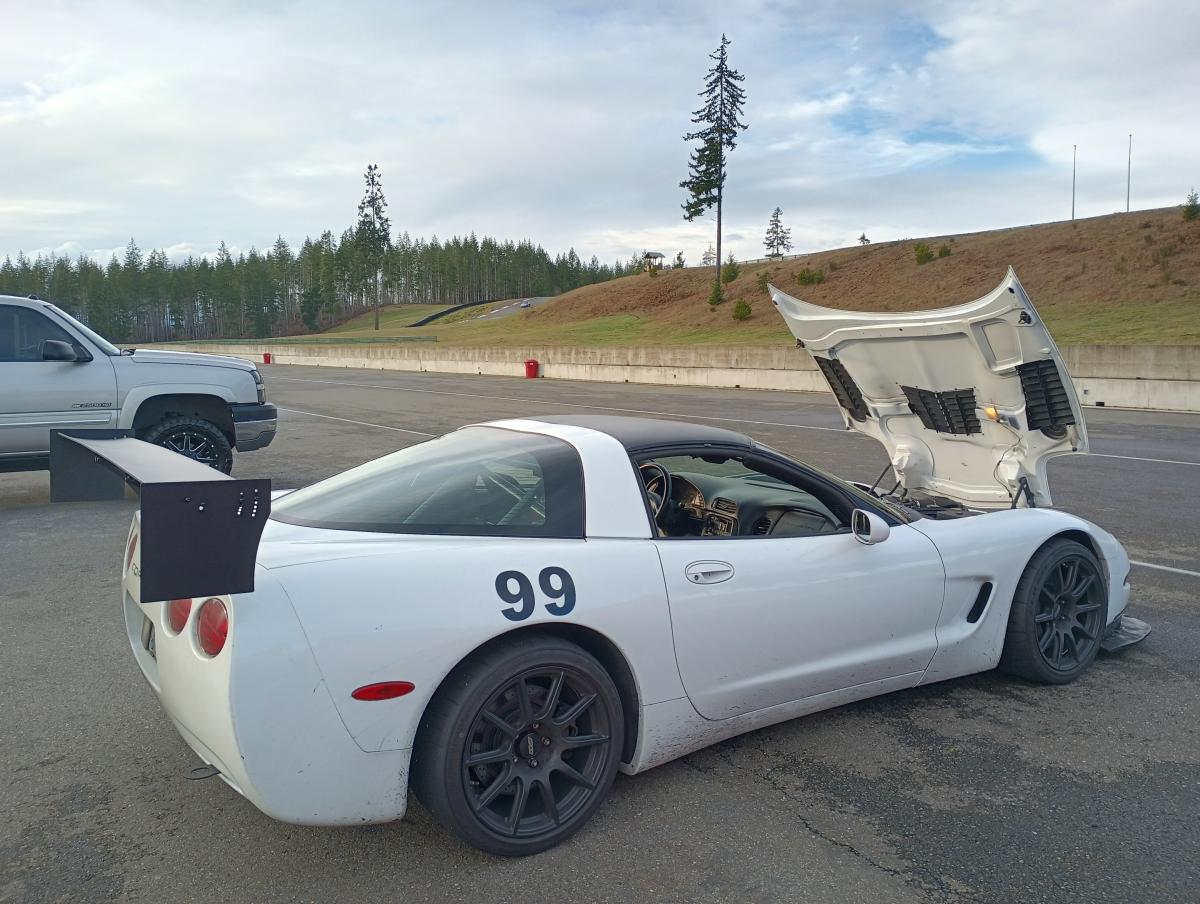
1074, 148
1128, 171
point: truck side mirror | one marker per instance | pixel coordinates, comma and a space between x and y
57, 350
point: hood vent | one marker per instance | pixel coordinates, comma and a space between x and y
848, 394
1046, 403
952, 411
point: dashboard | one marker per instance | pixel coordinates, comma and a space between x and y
709, 506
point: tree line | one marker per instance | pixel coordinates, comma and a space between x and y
144, 297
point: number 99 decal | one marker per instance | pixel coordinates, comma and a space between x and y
516, 589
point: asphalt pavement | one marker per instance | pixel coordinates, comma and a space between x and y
978, 789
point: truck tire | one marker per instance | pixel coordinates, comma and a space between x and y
194, 437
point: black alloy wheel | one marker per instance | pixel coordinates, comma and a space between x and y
1070, 616
1058, 614
194, 438
521, 763
536, 752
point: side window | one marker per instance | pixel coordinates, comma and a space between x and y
736, 495
22, 333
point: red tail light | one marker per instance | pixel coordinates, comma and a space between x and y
177, 614
130, 550
212, 626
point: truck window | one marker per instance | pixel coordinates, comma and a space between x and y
23, 331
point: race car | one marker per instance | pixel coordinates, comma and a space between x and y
503, 617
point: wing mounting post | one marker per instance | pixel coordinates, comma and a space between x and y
199, 528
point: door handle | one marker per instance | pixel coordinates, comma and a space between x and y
708, 572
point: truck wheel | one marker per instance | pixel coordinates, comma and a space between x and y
520, 745
194, 437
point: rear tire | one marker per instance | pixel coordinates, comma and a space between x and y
519, 746
1058, 615
194, 438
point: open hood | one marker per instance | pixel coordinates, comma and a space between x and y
970, 402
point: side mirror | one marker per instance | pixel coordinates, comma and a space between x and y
57, 350
868, 528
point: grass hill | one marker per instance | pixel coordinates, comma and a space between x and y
1120, 279
392, 320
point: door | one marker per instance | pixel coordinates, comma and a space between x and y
37, 395
772, 598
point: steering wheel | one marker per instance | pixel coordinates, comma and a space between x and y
657, 481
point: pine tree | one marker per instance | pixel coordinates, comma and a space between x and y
778, 240
719, 118
1191, 207
709, 257
863, 240
373, 235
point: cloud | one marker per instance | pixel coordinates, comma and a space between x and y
183, 126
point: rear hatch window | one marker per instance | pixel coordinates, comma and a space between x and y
479, 481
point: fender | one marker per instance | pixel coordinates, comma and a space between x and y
139, 394
981, 549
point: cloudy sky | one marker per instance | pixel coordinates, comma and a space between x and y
182, 124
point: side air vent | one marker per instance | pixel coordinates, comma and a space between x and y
761, 527
844, 388
952, 411
1046, 404
981, 601
727, 506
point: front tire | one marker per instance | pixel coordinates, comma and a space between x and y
1058, 615
194, 438
520, 745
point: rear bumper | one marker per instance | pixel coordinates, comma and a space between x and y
253, 426
260, 713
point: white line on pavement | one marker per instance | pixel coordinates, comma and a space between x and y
472, 395
698, 417
1161, 461
1194, 574
1170, 568
347, 420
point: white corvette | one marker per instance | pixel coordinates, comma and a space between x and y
503, 617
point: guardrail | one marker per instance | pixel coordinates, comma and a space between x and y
323, 339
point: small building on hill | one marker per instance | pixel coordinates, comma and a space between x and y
652, 260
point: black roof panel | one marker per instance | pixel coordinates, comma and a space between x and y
639, 433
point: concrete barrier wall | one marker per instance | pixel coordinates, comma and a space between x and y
1160, 377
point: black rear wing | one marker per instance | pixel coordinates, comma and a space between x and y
200, 528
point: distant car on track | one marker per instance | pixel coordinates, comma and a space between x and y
527, 304
503, 617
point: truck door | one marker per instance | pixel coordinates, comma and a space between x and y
37, 394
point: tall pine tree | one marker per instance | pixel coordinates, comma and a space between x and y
778, 240
719, 118
373, 233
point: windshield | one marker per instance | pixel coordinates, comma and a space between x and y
478, 481
899, 512
99, 341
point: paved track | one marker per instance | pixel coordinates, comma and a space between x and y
980, 789
507, 309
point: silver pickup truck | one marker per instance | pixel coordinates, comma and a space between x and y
56, 373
